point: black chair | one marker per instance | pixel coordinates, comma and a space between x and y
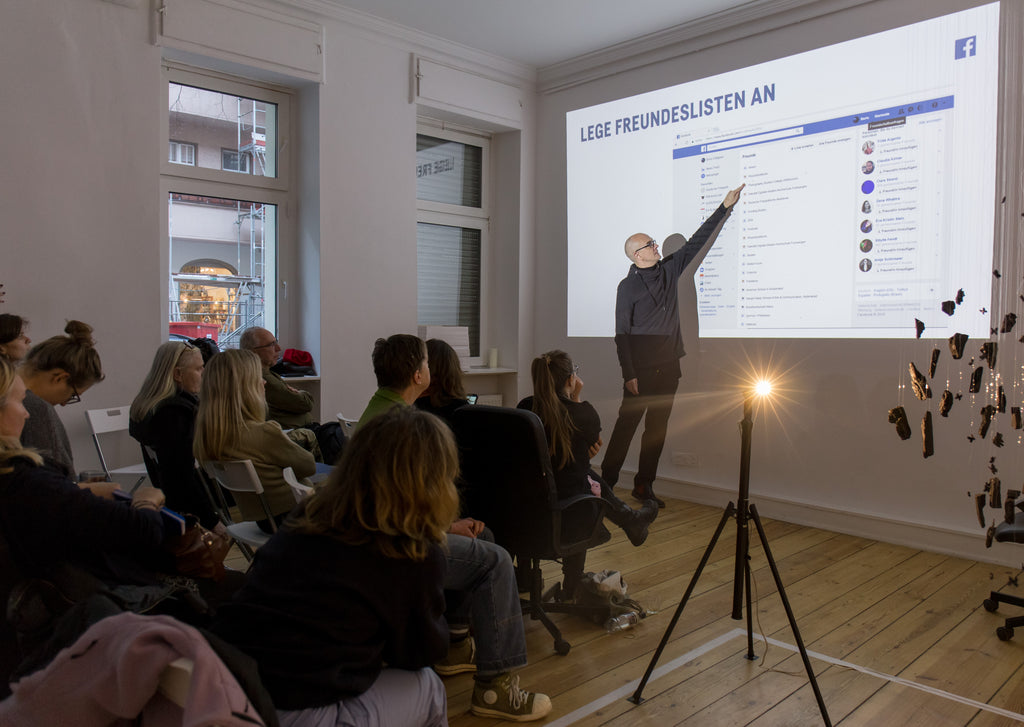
1006, 533
507, 482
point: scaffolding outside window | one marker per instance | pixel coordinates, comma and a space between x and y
224, 187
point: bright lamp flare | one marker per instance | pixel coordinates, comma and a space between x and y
763, 388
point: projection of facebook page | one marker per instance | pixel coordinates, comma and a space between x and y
869, 187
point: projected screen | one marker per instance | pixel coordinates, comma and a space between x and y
869, 168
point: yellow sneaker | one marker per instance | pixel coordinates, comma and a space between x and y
461, 658
501, 697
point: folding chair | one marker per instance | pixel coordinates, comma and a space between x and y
298, 489
240, 476
109, 421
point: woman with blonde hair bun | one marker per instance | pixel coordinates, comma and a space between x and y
163, 419
57, 372
231, 425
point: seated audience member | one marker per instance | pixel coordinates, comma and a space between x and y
207, 347
292, 408
343, 609
573, 431
163, 418
57, 372
445, 393
480, 571
400, 365
13, 341
230, 425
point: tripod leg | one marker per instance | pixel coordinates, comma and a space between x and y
729, 511
789, 614
750, 615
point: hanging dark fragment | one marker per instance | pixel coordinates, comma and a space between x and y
958, 396
919, 383
992, 465
919, 325
997, 440
960, 296
994, 488
1009, 321
987, 412
945, 403
997, 274
935, 362
990, 535
1001, 401
989, 351
970, 437
979, 507
956, 345
927, 443
1015, 417
975, 386
948, 307
898, 416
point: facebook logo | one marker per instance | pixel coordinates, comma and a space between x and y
965, 47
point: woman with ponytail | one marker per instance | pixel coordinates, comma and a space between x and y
57, 372
573, 430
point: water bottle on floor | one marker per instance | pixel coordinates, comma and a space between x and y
622, 622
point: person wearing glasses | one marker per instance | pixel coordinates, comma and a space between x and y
57, 372
286, 405
649, 344
163, 418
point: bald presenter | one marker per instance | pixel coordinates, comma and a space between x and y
649, 345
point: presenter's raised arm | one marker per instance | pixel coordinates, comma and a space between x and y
733, 197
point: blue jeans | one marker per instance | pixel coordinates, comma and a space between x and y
398, 697
484, 572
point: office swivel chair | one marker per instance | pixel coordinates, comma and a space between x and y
508, 483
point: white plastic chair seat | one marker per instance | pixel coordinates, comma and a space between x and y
109, 421
298, 489
248, 532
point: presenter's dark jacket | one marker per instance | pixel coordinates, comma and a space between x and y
647, 334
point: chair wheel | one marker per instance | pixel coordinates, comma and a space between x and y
1005, 633
990, 605
562, 647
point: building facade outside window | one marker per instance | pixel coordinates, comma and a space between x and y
223, 192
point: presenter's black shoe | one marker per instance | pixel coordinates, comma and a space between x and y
648, 494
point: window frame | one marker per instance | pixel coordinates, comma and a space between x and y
182, 145
461, 216
195, 180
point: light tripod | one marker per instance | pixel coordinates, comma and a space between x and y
744, 511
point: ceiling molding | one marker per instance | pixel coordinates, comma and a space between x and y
755, 17
417, 41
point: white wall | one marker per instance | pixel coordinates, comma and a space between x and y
80, 187
826, 455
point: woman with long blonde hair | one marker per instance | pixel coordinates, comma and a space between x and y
163, 420
231, 425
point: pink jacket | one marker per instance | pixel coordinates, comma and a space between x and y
111, 674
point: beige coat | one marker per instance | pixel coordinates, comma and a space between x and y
270, 451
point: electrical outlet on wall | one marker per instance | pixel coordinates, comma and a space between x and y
685, 459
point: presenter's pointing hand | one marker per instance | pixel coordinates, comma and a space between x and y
733, 197
632, 388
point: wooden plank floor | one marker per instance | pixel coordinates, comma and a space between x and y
904, 632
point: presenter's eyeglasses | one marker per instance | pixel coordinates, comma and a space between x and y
650, 243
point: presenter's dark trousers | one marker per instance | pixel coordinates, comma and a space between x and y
657, 389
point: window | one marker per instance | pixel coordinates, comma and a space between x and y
181, 152
223, 192
451, 230
234, 161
